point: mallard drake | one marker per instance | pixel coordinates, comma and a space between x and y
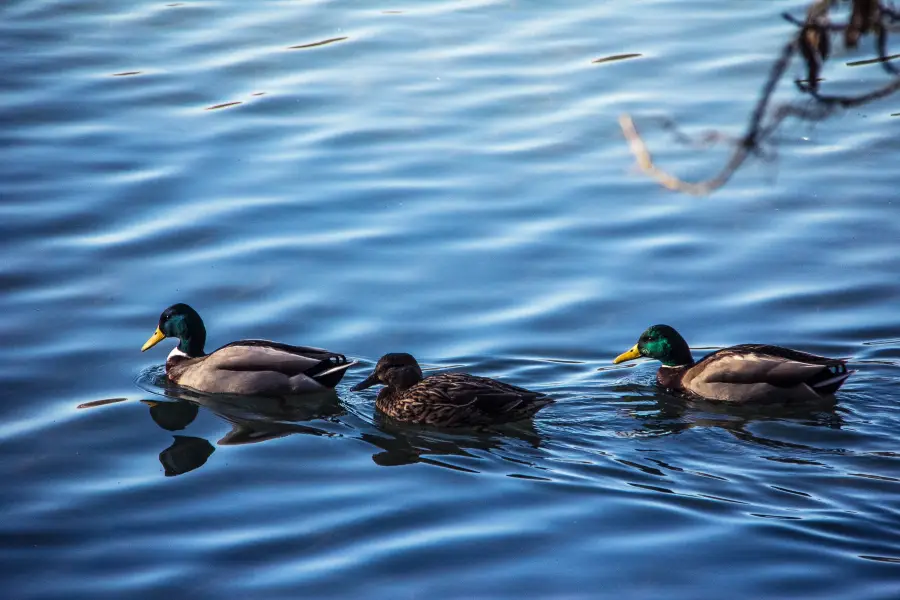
746, 373
247, 367
447, 399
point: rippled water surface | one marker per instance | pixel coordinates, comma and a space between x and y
446, 178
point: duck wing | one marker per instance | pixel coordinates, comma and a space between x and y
262, 368
764, 366
489, 399
263, 355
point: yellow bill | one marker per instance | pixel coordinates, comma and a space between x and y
625, 356
156, 338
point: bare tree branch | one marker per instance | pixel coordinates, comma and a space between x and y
813, 43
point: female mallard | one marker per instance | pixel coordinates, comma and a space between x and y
743, 374
247, 367
447, 399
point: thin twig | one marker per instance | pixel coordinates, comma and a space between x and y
868, 16
741, 150
852, 101
645, 162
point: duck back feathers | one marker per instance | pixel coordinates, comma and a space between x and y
260, 367
459, 399
246, 367
759, 372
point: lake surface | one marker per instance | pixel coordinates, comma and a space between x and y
445, 178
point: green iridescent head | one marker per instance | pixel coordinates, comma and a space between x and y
664, 344
182, 322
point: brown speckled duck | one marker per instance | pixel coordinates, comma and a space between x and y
247, 367
447, 399
748, 373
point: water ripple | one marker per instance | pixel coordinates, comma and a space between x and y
420, 178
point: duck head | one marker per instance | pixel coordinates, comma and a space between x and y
664, 344
397, 370
182, 322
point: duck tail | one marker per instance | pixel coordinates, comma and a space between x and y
832, 384
538, 403
329, 378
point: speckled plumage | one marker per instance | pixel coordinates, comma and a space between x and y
448, 399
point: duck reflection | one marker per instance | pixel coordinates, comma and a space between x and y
252, 419
256, 420
185, 454
172, 416
664, 414
404, 444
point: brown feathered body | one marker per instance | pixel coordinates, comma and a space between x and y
751, 373
447, 399
459, 399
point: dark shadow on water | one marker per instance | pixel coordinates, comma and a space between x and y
253, 419
185, 454
172, 416
644, 411
664, 414
257, 419
403, 444
247, 413
651, 413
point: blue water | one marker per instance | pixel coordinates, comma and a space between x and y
445, 178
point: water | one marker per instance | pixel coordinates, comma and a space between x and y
445, 178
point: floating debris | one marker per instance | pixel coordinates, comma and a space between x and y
615, 57
101, 402
314, 44
225, 105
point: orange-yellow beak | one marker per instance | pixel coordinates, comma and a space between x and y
626, 356
156, 338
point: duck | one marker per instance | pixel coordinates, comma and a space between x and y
743, 374
447, 399
245, 367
